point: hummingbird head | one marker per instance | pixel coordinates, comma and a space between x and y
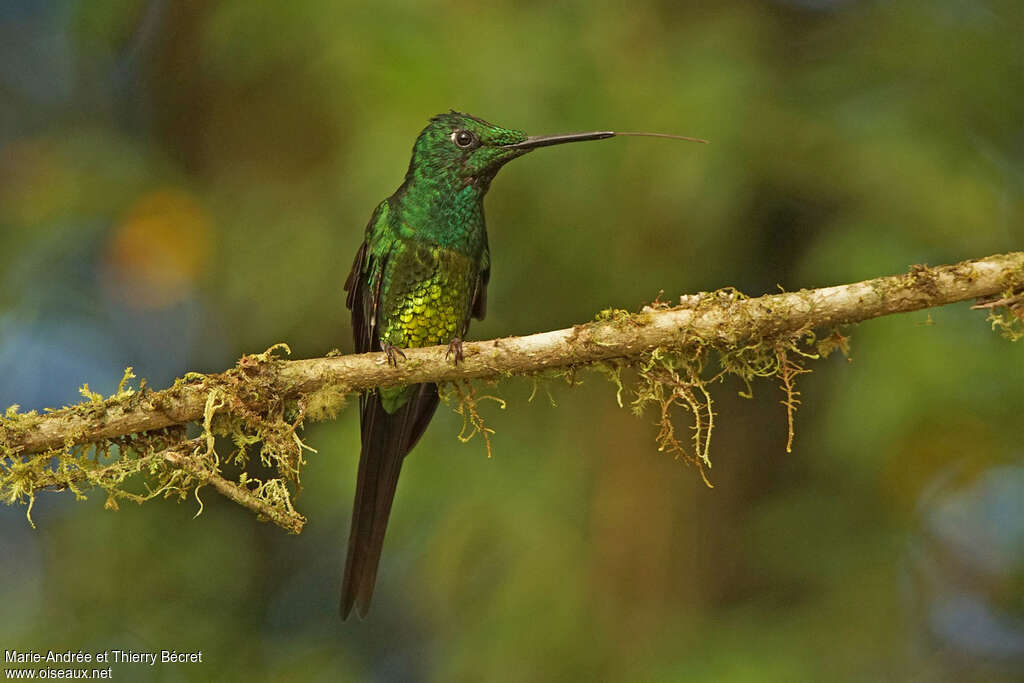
470, 151
465, 149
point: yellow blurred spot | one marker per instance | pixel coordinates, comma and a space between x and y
159, 249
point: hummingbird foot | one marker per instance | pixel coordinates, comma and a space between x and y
392, 353
454, 347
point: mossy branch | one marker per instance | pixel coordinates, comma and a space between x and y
265, 400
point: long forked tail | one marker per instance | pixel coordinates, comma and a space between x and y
386, 439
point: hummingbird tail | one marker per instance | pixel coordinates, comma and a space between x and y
386, 439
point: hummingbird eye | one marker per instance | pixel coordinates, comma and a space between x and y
464, 138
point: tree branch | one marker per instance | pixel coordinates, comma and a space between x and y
185, 457
723, 320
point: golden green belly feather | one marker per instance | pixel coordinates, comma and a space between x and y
425, 302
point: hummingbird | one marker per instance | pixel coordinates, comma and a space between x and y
418, 278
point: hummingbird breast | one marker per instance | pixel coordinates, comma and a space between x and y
426, 295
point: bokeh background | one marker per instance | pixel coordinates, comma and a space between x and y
182, 182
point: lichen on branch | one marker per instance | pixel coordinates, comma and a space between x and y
676, 353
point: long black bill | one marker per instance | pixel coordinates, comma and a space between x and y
535, 141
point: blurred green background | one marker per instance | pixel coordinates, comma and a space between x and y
185, 181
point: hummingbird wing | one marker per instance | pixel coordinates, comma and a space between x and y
387, 437
363, 286
479, 308
355, 287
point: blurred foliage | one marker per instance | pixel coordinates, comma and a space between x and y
183, 182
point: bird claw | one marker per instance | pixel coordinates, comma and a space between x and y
392, 353
455, 346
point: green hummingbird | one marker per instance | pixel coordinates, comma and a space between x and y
419, 277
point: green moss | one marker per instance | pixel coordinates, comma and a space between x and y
682, 378
1006, 314
142, 466
325, 403
612, 315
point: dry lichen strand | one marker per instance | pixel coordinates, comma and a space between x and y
464, 403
